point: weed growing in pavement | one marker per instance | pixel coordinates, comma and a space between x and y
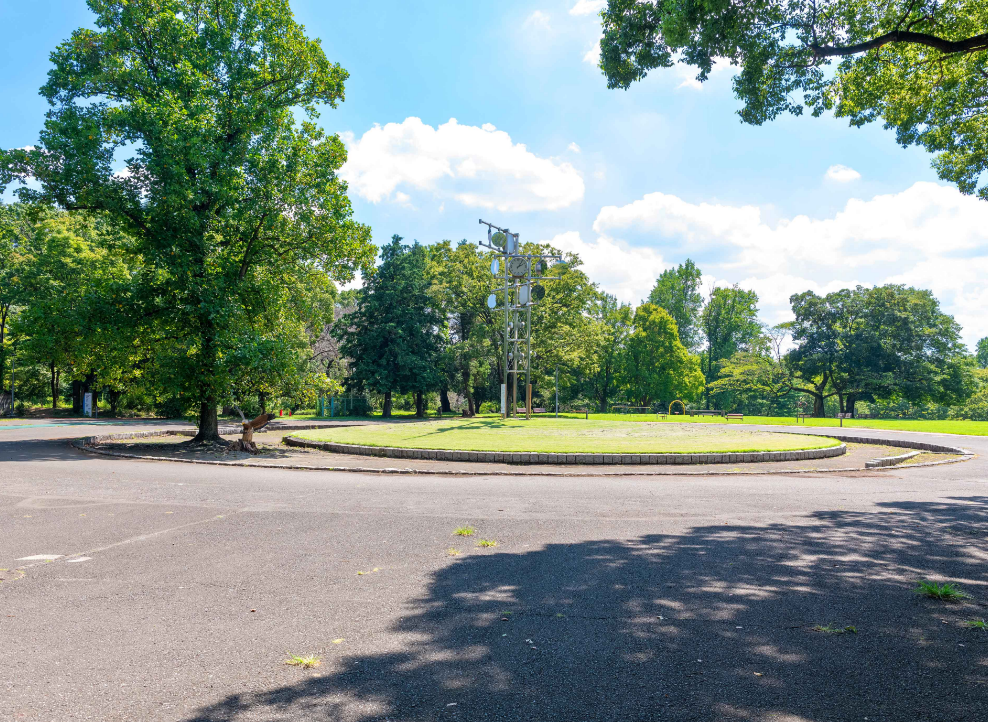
307, 661
487, 543
452, 552
831, 629
978, 624
946, 592
465, 531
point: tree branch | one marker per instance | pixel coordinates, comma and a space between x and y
949, 47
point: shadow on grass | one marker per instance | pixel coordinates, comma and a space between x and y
713, 624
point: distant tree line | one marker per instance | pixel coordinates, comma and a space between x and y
420, 327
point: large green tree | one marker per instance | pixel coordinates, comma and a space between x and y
921, 66
15, 230
677, 290
394, 337
730, 324
75, 289
610, 324
462, 280
888, 343
656, 367
562, 326
225, 193
981, 353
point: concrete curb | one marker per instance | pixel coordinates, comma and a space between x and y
900, 443
86, 445
890, 460
498, 457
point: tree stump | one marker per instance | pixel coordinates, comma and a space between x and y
246, 442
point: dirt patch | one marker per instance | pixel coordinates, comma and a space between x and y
928, 457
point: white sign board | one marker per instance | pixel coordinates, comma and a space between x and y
87, 404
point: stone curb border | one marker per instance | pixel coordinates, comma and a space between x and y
900, 443
529, 457
890, 460
82, 445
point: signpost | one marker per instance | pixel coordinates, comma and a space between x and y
520, 291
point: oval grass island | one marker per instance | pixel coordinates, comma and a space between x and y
568, 441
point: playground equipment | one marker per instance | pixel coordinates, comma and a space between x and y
677, 401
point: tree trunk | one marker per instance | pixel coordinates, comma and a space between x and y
468, 392
706, 380
851, 401
386, 411
114, 401
818, 406
444, 401
262, 401
4, 310
209, 423
54, 386
76, 396
419, 405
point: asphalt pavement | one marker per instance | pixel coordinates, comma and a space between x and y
138, 590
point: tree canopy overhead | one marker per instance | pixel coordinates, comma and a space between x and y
226, 195
919, 65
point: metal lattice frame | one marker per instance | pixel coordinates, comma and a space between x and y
517, 300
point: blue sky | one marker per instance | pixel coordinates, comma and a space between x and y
634, 181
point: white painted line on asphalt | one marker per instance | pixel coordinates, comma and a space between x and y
77, 560
41, 558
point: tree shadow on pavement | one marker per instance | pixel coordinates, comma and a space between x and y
32, 450
714, 624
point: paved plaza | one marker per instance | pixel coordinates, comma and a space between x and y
140, 590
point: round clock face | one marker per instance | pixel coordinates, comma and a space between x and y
518, 266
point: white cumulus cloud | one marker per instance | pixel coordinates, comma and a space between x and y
620, 269
841, 174
573, 147
592, 56
588, 7
537, 19
928, 236
687, 73
477, 167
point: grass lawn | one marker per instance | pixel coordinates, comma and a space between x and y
312, 415
566, 436
965, 428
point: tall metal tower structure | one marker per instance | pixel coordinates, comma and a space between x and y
520, 291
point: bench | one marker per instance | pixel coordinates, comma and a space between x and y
735, 417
